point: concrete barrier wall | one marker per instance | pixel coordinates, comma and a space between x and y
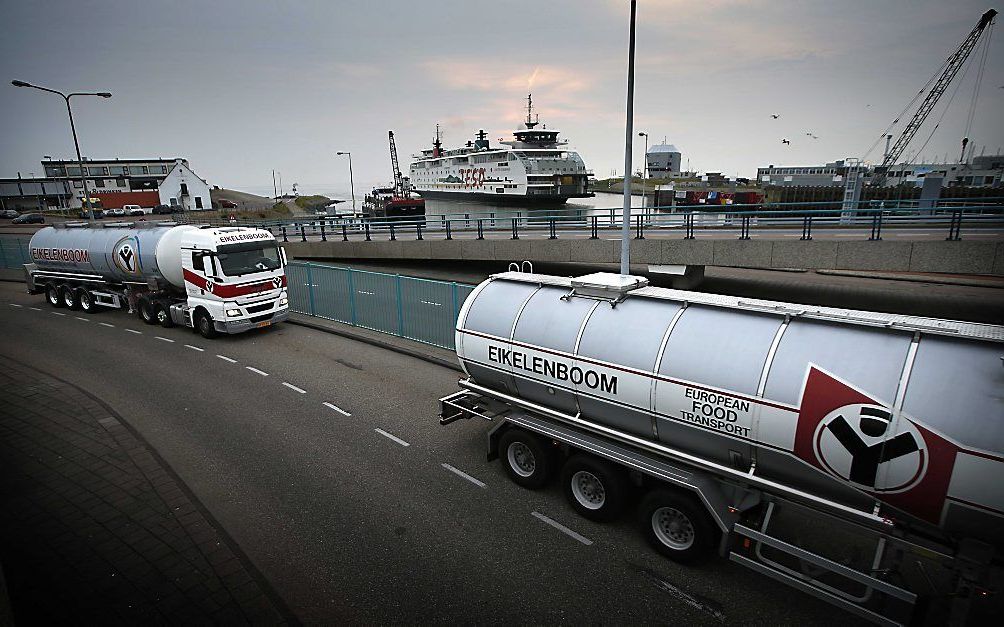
959, 257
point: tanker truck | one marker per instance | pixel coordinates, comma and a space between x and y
856, 456
212, 279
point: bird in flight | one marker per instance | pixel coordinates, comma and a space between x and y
786, 141
775, 115
809, 134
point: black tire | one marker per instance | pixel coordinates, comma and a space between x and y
86, 301
69, 297
53, 296
162, 314
677, 525
144, 308
527, 460
596, 489
204, 325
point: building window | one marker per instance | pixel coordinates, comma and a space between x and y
198, 202
78, 184
184, 189
99, 182
94, 171
120, 182
174, 202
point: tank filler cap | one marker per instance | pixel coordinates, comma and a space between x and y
607, 285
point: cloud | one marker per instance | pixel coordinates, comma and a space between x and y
489, 75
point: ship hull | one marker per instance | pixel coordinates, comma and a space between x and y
509, 200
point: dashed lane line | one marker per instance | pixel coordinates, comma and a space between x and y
35, 308
81, 319
57, 313
256, 371
16, 305
195, 348
105, 324
164, 339
225, 358
134, 331
562, 528
392, 437
461, 473
336, 408
294, 388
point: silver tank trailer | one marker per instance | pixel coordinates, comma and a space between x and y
116, 253
853, 406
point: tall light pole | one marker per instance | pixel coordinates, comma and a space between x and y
352, 185
73, 129
628, 138
644, 171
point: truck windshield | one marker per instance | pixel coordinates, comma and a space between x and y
238, 259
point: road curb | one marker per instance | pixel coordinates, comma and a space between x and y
373, 341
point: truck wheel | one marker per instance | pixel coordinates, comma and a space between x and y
86, 301
677, 526
526, 458
53, 296
145, 310
163, 315
204, 325
69, 297
596, 488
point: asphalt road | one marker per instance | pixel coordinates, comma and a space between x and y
323, 458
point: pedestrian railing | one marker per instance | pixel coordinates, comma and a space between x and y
417, 309
14, 253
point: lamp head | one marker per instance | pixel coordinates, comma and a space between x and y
20, 84
104, 94
642, 134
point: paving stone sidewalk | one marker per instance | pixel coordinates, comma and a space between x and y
96, 529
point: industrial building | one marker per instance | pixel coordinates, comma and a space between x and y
34, 194
166, 181
982, 171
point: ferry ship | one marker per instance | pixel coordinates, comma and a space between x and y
533, 168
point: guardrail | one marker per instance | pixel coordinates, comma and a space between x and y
423, 310
948, 214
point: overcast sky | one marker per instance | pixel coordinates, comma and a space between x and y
241, 87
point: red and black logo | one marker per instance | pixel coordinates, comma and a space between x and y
863, 442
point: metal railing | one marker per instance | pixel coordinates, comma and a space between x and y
14, 253
423, 310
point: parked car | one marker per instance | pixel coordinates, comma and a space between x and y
114, 213
98, 214
226, 204
9, 213
162, 210
29, 218
133, 210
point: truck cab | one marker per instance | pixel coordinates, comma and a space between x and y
234, 280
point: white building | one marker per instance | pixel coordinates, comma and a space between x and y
663, 159
182, 187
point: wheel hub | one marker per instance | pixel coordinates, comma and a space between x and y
588, 490
521, 459
673, 528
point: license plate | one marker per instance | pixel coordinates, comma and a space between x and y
262, 324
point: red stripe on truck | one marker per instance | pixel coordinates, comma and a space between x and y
233, 291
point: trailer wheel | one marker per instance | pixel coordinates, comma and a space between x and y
525, 457
204, 325
69, 296
145, 309
596, 488
677, 526
53, 296
86, 300
163, 315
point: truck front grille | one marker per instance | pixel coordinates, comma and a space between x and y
253, 309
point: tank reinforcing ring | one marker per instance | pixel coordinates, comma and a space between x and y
588, 490
673, 528
521, 459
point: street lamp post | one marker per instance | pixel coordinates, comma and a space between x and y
73, 129
644, 172
628, 136
352, 185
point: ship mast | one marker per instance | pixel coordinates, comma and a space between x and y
531, 119
437, 145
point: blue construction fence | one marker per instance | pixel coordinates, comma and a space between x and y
14, 252
423, 310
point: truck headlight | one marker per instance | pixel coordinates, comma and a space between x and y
233, 313
283, 301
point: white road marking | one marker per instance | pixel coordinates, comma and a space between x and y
225, 358
294, 388
846, 234
57, 313
461, 473
35, 308
81, 319
195, 348
562, 528
336, 408
134, 331
255, 370
16, 305
163, 339
105, 324
392, 437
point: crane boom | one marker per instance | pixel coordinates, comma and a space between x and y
399, 191
952, 67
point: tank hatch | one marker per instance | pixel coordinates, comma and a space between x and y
607, 285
